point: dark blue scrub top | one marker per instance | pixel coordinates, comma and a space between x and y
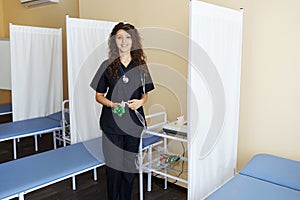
117, 91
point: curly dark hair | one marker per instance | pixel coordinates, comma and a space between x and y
137, 54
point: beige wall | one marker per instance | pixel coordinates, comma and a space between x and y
1, 19
269, 108
270, 94
51, 16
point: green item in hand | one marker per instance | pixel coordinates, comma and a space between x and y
119, 110
116, 109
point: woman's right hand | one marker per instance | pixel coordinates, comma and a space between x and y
114, 105
100, 98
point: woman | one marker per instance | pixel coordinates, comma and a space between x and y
122, 81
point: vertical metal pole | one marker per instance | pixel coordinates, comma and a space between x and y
140, 161
21, 196
54, 140
95, 174
73, 183
15, 148
36, 142
165, 169
149, 168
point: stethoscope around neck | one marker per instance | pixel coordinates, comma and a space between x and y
125, 79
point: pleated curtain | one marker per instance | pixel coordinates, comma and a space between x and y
87, 48
213, 96
36, 71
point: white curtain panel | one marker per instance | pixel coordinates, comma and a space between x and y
87, 48
213, 96
36, 71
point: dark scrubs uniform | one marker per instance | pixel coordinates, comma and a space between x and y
121, 135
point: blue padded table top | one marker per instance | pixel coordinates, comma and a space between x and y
273, 169
58, 116
5, 109
18, 128
32, 171
247, 188
149, 139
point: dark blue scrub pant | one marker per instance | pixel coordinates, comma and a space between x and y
120, 154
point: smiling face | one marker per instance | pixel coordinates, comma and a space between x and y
123, 41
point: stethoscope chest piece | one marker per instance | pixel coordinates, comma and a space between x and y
125, 79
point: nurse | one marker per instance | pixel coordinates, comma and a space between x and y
122, 81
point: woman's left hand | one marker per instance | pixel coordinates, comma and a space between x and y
135, 104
